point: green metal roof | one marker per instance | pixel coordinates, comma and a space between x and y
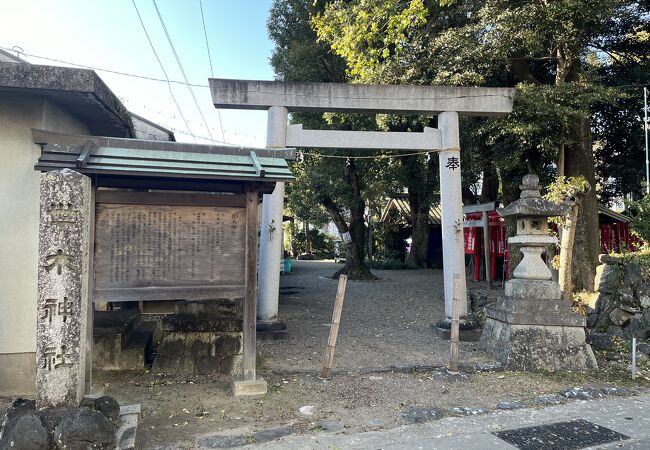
111, 156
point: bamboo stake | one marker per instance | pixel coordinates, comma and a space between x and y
455, 324
334, 329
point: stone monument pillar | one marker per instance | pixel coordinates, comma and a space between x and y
63, 297
532, 326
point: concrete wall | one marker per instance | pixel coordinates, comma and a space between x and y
19, 206
146, 130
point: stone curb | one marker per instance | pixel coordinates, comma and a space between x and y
229, 441
127, 427
563, 396
395, 368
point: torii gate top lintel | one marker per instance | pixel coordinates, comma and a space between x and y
333, 97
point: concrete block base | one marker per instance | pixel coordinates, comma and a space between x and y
257, 386
468, 331
463, 335
271, 330
537, 347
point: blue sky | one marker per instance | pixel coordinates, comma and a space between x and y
108, 34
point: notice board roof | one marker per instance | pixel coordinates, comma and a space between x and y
160, 159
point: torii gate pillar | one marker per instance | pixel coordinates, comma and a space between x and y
268, 321
451, 201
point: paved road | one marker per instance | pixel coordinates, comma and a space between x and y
629, 416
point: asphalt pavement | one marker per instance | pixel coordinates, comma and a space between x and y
624, 421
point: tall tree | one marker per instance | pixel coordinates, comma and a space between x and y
331, 179
543, 47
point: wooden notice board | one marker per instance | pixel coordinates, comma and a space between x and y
156, 251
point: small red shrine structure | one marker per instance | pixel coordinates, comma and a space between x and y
615, 236
482, 220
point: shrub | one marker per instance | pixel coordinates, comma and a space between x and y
321, 243
639, 211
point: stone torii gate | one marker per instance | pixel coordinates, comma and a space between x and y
280, 98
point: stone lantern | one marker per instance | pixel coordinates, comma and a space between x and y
532, 213
532, 326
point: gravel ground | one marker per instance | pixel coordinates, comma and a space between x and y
383, 322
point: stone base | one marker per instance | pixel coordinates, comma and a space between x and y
199, 353
249, 387
537, 347
202, 338
271, 330
468, 331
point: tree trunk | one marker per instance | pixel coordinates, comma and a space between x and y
355, 262
565, 276
419, 202
490, 186
294, 247
579, 160
370, 237
417, 256
305, 225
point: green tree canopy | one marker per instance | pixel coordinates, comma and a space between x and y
554, 52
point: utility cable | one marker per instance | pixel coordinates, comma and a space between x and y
144, 77
180, 66
207, 46
163, 69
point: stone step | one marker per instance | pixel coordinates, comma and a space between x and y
122, 322
126, 345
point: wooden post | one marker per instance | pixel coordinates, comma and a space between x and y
334, 329
455, 322
486, 249
250, 299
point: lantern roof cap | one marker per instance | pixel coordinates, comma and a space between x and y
531, 202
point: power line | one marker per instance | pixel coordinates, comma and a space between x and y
180, 66
205, 34
162, 67
101, 69
145, 77
207, 46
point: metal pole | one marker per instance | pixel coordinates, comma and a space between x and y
645, 129
633, 358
